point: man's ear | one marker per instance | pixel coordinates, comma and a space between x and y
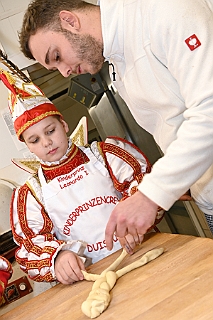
69, 20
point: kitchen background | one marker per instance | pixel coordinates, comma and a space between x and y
107, 115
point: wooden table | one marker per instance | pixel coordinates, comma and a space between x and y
178, 285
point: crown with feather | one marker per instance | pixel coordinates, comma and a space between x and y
27, 103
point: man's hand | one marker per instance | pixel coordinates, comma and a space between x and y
134, 216
68, 266
186, 196
129, 243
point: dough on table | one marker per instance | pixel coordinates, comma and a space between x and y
99, 297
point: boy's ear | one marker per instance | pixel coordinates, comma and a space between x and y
65, 125
69, 20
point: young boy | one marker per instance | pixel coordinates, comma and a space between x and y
58, 217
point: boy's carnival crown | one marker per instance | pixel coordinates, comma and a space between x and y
27, 103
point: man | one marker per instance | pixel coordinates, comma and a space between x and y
162, 53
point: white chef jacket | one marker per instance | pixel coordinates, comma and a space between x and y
162, 55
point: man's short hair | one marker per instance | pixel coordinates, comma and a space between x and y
44, 14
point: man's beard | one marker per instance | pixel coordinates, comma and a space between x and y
87, 49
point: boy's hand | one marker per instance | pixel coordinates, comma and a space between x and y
128, 243
68, 266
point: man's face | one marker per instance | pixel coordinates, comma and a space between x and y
67, 52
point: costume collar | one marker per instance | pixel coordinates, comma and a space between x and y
112, 32
65, 156
73, 158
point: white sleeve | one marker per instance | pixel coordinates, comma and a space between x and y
187, 158
5, 264
122, 170
125, 162
33, 232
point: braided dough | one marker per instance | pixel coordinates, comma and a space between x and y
99, 297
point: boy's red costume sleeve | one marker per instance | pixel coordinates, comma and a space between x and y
128, 188
5, 274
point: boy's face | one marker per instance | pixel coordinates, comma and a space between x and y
47, 139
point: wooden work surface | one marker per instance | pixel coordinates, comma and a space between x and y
178, 285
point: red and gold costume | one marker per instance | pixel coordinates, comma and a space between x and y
66, 206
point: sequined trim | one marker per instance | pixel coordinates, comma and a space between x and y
2, 284
78, 138
128, 158
29, 123
36, 188
148, 164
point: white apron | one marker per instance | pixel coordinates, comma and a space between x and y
79, 204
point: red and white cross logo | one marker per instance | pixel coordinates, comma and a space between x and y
193, 42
